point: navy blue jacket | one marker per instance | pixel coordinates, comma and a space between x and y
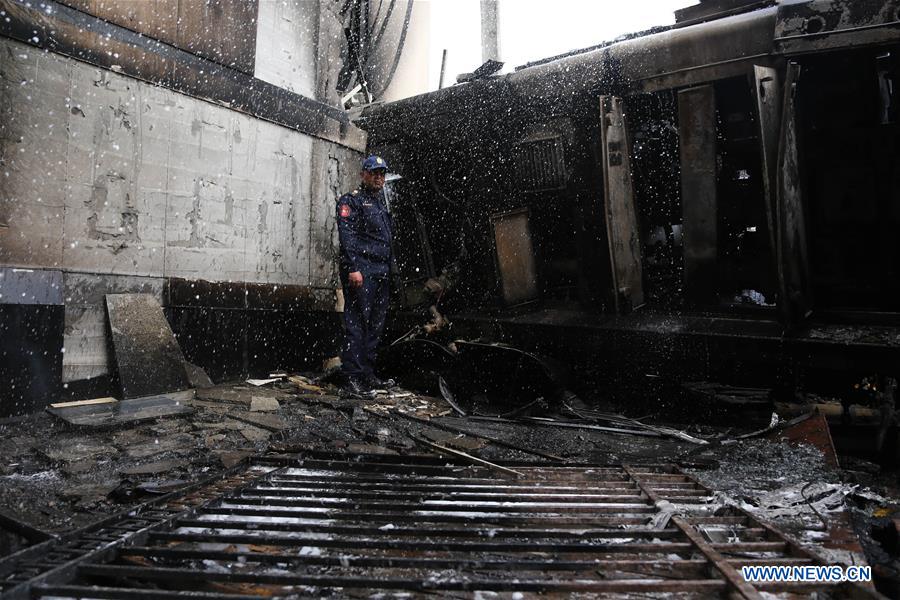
364, 230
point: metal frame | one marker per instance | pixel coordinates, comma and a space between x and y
420, 524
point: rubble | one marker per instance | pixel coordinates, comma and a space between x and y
393, 522
265, 421
263, 404
73, 449
88, 474
154, 468
112, 414
255, 434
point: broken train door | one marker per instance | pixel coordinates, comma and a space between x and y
791, 249
621, 216
768, 96
785, 209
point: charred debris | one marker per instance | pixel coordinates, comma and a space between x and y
669, 258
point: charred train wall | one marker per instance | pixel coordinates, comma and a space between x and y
712, 201
189, 152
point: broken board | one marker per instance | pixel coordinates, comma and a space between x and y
107, 400
148, 358
126, 411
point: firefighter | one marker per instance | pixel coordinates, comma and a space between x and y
364, 230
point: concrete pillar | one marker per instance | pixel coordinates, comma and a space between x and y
490, 30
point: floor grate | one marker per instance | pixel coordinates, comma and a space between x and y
320, 525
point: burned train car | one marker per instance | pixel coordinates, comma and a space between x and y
713, 201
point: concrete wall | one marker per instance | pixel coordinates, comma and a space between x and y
286, 41
121, 184
106, 174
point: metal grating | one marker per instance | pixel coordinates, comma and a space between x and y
540, 165
293, 525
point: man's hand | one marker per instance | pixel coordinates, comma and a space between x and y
356, 279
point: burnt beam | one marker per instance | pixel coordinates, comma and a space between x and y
642, 565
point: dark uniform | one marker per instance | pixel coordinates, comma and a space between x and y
364, 229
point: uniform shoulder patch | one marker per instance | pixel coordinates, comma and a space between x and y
345, 211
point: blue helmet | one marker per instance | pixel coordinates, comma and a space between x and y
373, 163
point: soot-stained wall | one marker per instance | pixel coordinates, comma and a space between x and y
122, 185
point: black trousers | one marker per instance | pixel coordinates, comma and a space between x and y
365, 311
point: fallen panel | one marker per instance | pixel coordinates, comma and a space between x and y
126, 411
148, 358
